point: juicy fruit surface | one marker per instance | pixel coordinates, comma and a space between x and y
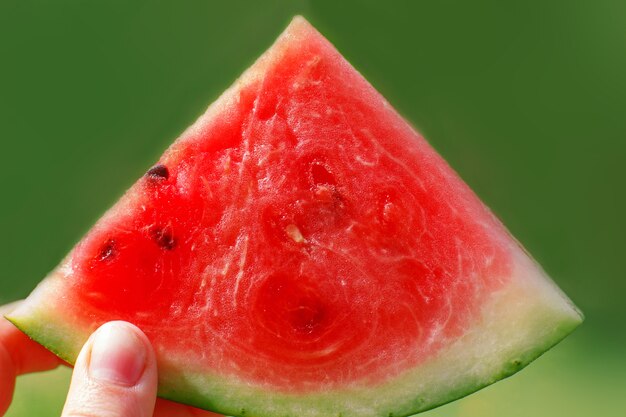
297, 229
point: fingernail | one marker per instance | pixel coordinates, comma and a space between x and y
118, 355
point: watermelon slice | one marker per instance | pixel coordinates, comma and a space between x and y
302, 251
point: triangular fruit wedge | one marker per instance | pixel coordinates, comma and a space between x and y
302, 251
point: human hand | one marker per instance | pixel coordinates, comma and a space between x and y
115, 374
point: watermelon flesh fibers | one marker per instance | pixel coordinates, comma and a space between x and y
302, 251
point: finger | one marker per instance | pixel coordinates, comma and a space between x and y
7, 379
115, 375
166, 408
25, 354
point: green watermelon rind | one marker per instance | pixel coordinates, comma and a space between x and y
528, 317
50, 335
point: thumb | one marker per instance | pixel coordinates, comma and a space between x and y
115, 375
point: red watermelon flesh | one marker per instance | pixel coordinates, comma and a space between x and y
301, 250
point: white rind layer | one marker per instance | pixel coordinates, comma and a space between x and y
519, 322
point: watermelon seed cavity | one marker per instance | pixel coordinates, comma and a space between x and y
163, 238
322, 175
108, 250
158, 172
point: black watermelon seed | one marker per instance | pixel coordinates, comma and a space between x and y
158, 172
163, 238
108, 250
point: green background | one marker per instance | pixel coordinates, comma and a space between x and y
527, 100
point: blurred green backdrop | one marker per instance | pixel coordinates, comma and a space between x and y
527, 100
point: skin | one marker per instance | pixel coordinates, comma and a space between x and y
115, 374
